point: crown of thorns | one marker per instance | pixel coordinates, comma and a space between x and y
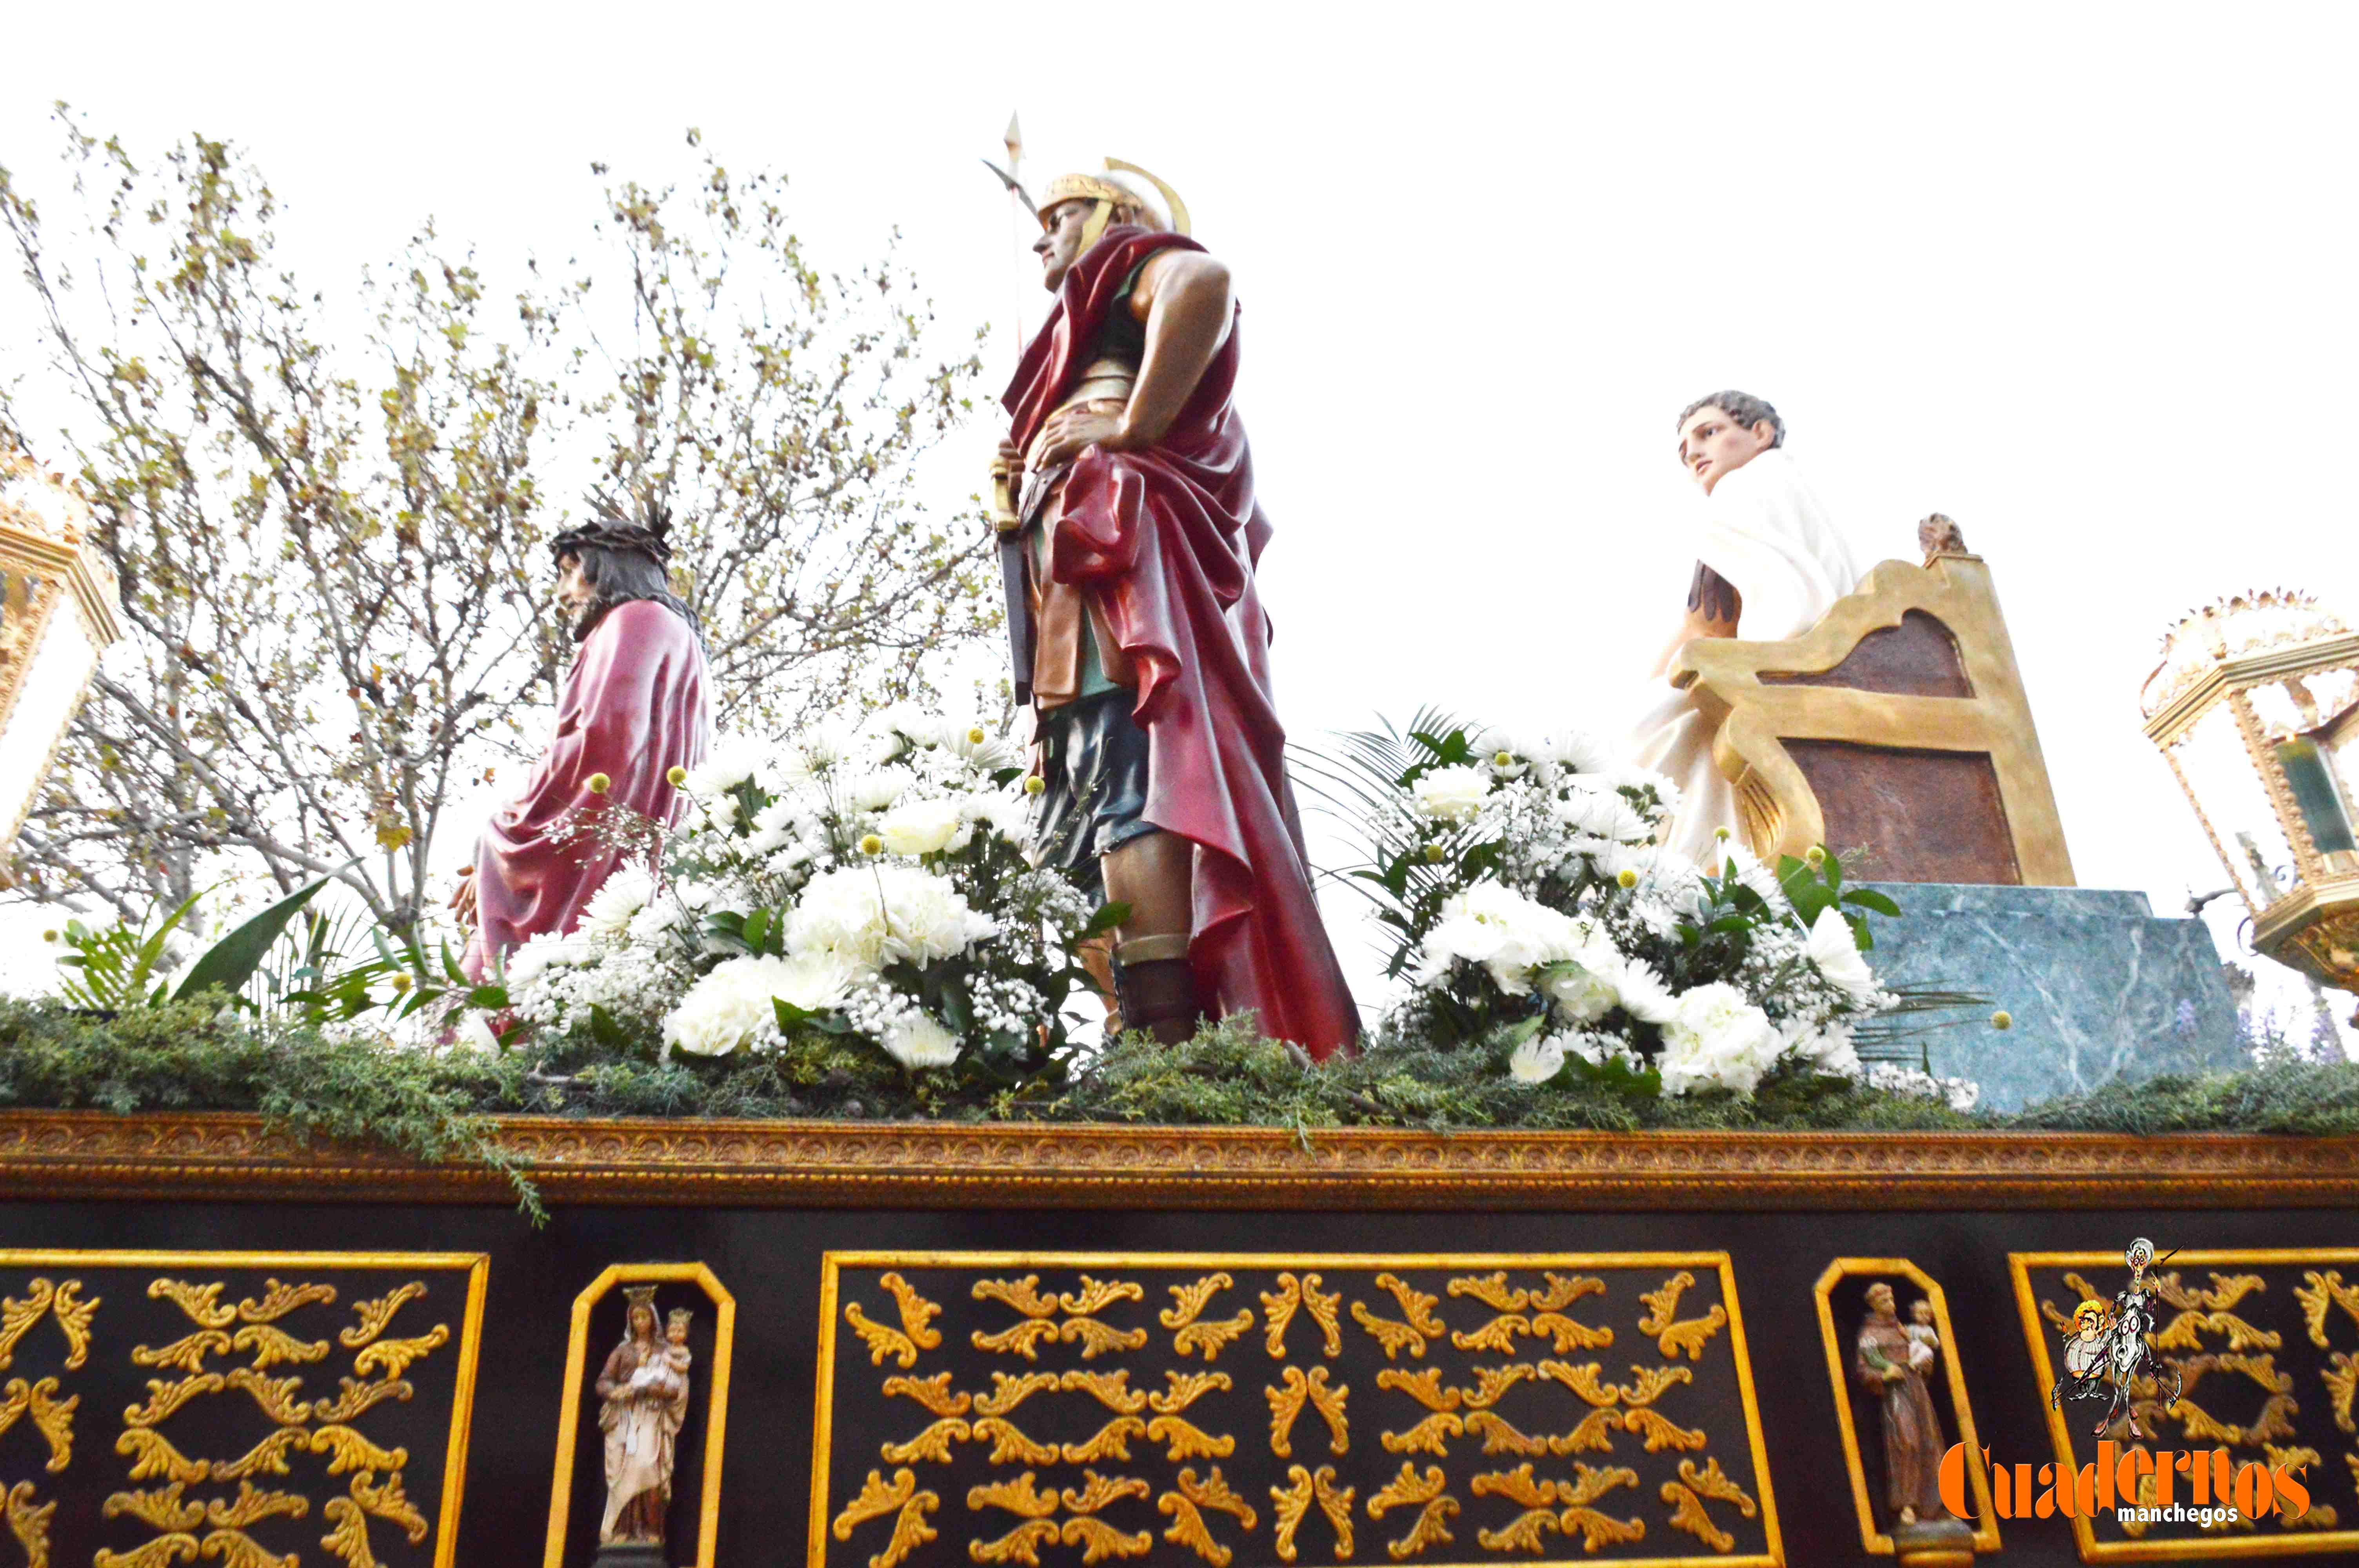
611, 527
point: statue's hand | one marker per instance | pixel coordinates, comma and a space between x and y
1070, 431
1011, 459
462, 902
1894, 1374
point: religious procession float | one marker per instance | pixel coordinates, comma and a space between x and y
912, 1135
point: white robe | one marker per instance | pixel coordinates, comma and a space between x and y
1765, 531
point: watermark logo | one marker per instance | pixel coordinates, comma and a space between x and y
2107, 1350
2133, 1485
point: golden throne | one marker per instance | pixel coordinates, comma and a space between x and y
1894, 732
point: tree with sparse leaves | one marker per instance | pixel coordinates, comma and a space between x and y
333, 560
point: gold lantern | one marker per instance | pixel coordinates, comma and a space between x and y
56, 613
2256, 706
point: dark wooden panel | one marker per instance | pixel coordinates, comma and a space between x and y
1914, 816
1916, 658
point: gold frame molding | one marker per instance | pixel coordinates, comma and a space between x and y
2206, 1549
1754, 722
478, 1266
237, 1156
1876, 1541
716, 1423
832, 1263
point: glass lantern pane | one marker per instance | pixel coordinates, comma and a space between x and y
2309, 769
2221, 776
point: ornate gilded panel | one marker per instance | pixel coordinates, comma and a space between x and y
252, 1409
2265, 1347
1211, 1409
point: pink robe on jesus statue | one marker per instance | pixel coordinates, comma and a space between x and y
633, 707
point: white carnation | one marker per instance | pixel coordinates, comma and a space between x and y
1501, 929
924, 828
732, 1006
879, 914
607, 915
1835, 950
1452, 795
1717, 1039
918, 1040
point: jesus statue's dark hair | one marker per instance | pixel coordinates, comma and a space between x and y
1742, 407
619, 576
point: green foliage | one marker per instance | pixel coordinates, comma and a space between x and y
110, 966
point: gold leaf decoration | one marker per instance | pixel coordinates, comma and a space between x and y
1187, 1530
375, 1315
1427, 1436
1563, 1290
1278, 1308
1213, 1336
1408, 1489
1587, 1485
1500, 1436
1492, 1291
1416, 1307
934, 1393
1598, 1529
1099, 1294
1431, 1528
160, 1510
1663, 1303
910, 1531
1017, 1497
1010, 1446
52, 1417
1424, 1387
2200, 1426
1658, 1434
1335, 1502
1493, 1382
1566, 1335
1111, 1441
278, 1300
2341, 1379
1111, 1390
1329, 1402
394, 1357
1021, 1544
1393, 1337
1097, 1491
351, 1451
1188, 1301
1687, 1514
1019, 1340
1212, 1493
933, 1444
1324, 1308
349, 1539
2261, 1370
235, 1549
272, 1345
1098, 1338
388, 1502
883, 1341
266, 1458
1593, 1435
1713, 1482
153, 1553
916, 1312
250, 1505
1291, 1504
2317, 1293
201, 1303
1007, 1392
1187, 1440
2181, 1334
152, 1454
875, 1500
1517, 1486
2226, 1291
274, 1395
1186, 1388
28, 1524
1647, 1383
1522, 1533
184, 1354
1498, 1336
1586, 1381
73, 1317
164, 1398
1285, 1405
1100, 1540
16, 1318
1689, 1336
1022, 1294
358, 1397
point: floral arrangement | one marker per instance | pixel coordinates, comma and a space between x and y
1532, 913
869, 883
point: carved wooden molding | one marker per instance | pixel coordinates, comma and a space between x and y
1758, 717
216, 1155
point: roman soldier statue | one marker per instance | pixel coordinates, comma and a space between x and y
1132, 534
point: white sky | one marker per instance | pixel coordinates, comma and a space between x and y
2078, 276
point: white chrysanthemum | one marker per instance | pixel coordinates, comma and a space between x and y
1717, 1039
979, 745
731, 763
924, 828
475, 1031
1603, 813
1584, 994
1452, 795
732, 1006
1828, 1048
1751, 873
651, 924
1600, 1050
539, 955
1575, 750
814, 751
876, 791
879, 914
1536, 1060
1835, 950
1005, 814
1643, 993
918, 1040
1501, 930
607, 915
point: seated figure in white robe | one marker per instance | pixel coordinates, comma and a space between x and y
1769, 565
